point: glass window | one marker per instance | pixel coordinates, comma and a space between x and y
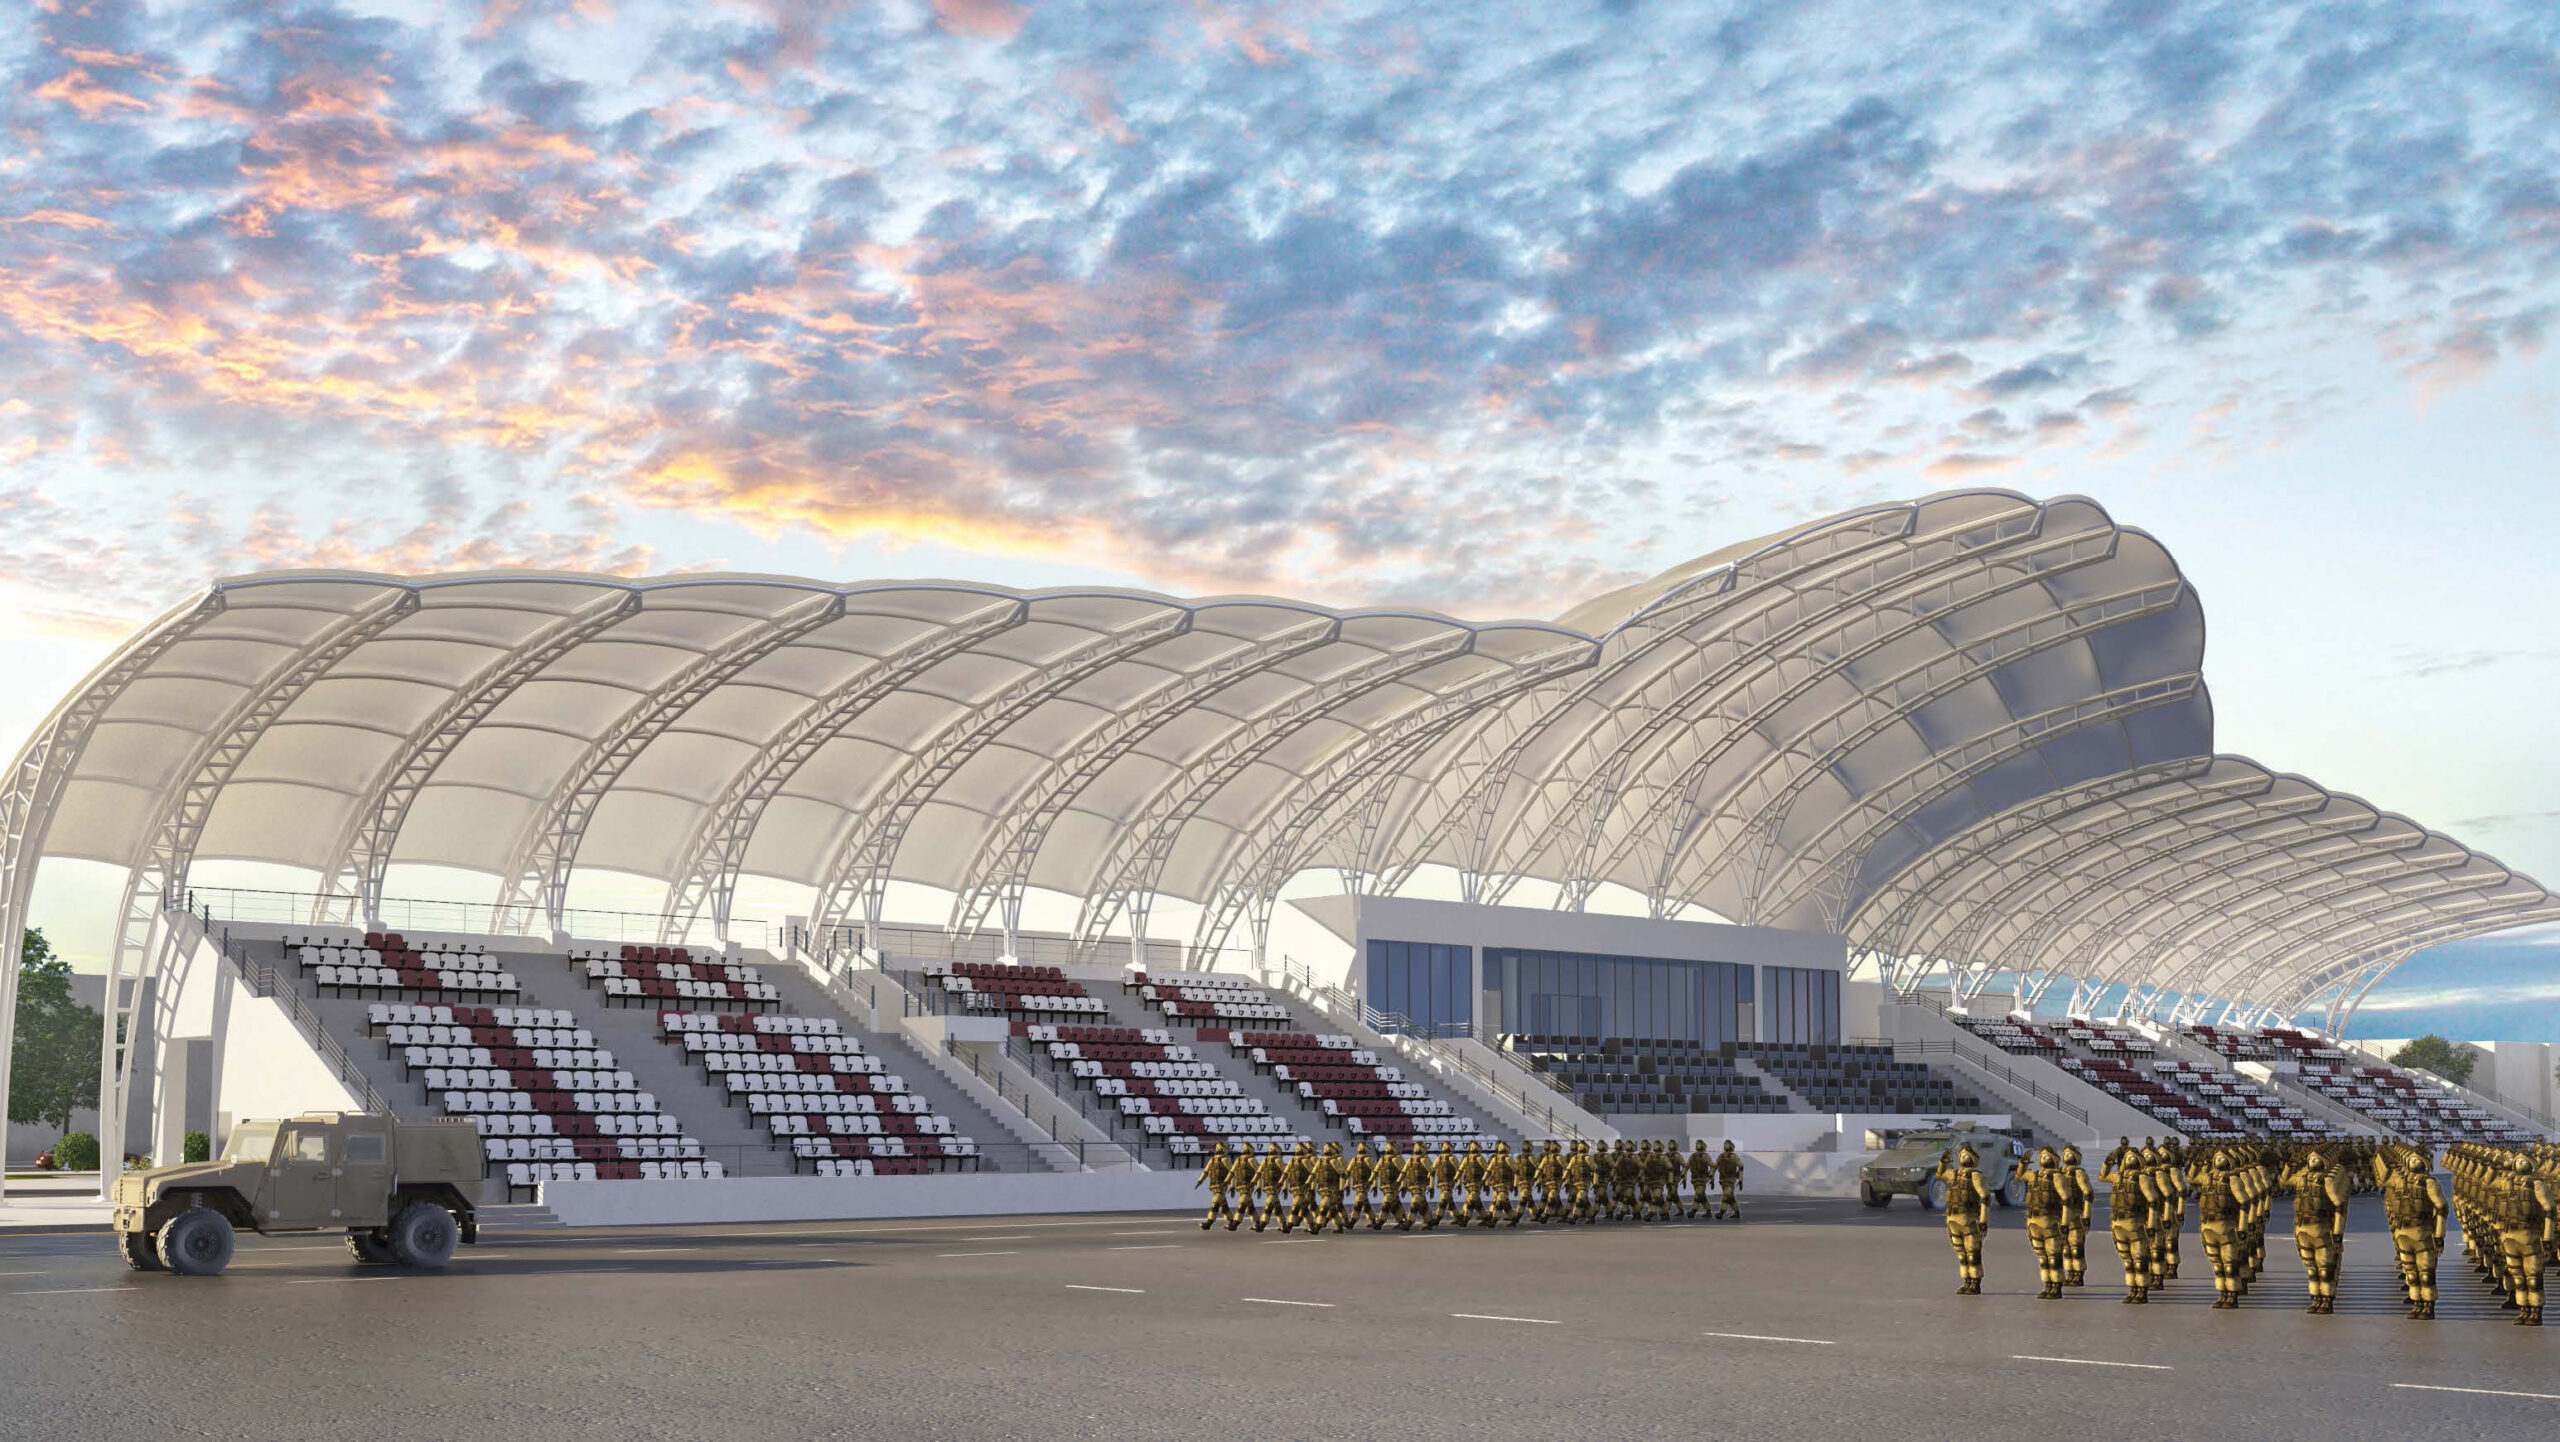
252, 1142
364, 1149
303, 1146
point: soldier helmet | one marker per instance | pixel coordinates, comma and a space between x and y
1472, 1148
1502, 1149
2071, 1155
1333, 1149
2044, 1156
1728, 1144
1700, 1145
1360, 1149
1217, 1149
1965, 1156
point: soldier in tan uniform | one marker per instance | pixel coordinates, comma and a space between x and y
1265, 1198
2045, 1226
2129, 1203
2219, 1220
1968, 1217
1470, 1179
1325, 1177
1702, 1174
1213, 1175
2078, 1200
2414, 1207
1581, 1179
2319, 1199
1388, 1177
1356, 1181
1547, 1181
1729, 1183
1414, 1176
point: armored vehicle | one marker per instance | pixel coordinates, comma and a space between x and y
1907, 1165
405, 1192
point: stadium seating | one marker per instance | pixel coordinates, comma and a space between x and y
818, 1093
1207, 1000
550, 1105
654, 975
1043, 993
2015, 1035
1350, 1087
384, 964
1856, 1077
1645, 1076
1149, 1082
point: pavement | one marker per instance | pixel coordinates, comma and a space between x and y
1809, 1319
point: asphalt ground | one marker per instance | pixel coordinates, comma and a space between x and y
1807, 1319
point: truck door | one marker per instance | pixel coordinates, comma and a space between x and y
364, 1177
304, 1190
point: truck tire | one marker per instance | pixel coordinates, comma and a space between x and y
424, 1235
369, 1246
2013, 1193
1872, 1197
139, 1252
196, 1243
1933, 1195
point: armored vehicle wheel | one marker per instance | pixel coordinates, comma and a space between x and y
424, 1235
196, 1243
1933, 1196
1872, 1197
139, 1253
2013, 1192
370, 1247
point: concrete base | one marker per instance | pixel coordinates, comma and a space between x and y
833, 1199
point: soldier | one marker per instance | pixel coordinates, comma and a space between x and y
1548, 1183
1325, 1178
2129, 1220
1501, 1183
2524, 1207
1581, 1175
2414, 1207
2173, 1212
1968, 1217
1387, 1175
2218, 1213
2045, 1225
1415, 1178
2319, 1195
2077, 1200
1213, 1175
1444, 1182
1729, 1183
2155, 1180
1355, 1180
1307, 1190
1662, 1181
1263, 1198
1702, 1172
1471, 1183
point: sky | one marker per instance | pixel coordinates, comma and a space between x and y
1480, 308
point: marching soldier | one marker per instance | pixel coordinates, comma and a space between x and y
1325, 1176
1702, 1173
1471, 1183
2173, 1215
2129, 1220
1414, 1177
1300, 1203
2077, 1202
1388, 1175
1968, 1217
1356, 1180
1547, 1182
2045, 1226
1502, 1183
1581, 1175
2319, 1196
1213, 1175
1662, 1181
1444, 1182
1729, 1183
1265, 1196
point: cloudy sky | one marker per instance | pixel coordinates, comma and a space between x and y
1478, 307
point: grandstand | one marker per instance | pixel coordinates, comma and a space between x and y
1732, 853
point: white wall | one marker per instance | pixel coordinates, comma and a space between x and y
267, 1068
833, 1199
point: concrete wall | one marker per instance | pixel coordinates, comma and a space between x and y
833, 1199
266, 1068
2521, 1071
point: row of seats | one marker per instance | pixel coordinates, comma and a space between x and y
2017, 1036
1208, 999
1348, 1085
671, 970
688, 1023
1146, 1080
1044, 991
307, 957
525, 1176
566, 1149
415, 981
814, 1088
1855, 1077
634, 991
1646, 1076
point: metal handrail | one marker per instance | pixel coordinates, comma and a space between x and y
263, 980
2002, 1072
1430, 1051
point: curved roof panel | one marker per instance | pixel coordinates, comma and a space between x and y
1970, 729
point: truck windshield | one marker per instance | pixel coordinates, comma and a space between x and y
250, 1142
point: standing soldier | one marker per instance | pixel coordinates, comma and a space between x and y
1702, 1174
1729, 1183
2319, 1195
2077, 1203
2173, 1218
2414, 1207
2155, 1178
2218, 1214
2129, 1220
1213, 1175
2045, 1226
1968, 1217
1355, 1177
2524, 1205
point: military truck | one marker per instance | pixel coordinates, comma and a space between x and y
1907, 1165
405, 1192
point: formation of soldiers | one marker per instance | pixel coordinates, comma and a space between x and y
1421, 1187
2506, 1198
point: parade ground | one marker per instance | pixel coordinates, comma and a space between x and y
1808, 1319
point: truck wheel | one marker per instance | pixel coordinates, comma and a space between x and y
424, 1235
1933, 1196
196, 1243
1872, 1197
2013, 1193
138, 1251
369, 1246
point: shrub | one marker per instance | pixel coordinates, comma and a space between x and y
197, 1148
76, 1152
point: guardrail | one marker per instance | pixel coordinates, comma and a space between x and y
469, 918
1020, 1098
1999, 1071
265, 981
1430, 1051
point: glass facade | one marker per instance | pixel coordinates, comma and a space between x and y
1803, 1005
1431, 986
1572, 993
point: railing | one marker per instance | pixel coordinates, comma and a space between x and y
936, 944
1999, 1071
470, 918
265, 981
1019, 1098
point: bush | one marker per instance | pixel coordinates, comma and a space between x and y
76, 1152
197, 1148
2433, 1053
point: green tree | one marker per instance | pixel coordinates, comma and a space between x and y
2432, 1053
53, 1068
